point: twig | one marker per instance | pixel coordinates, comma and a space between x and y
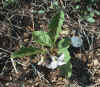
5, 50
14, 65
94, 48
41, 76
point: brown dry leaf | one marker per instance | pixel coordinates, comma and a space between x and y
65, 33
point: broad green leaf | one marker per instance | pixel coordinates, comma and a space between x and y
91, 20
42, 38
92, 14
25, 52
56, 25
66, 70
97, 12
66, 53
64, 43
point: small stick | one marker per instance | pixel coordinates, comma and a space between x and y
14, 65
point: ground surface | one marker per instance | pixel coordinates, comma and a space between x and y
16, 24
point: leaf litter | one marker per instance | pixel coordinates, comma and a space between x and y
13, 28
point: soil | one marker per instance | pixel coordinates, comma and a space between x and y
16, 25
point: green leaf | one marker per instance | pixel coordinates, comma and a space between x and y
97, 12
25, 52
92, 14
34, 11
89, 9
64, 43
63, 46
55, 3
56, 25
77, 7
41, 12
42, 38
9, 2
91, 20
66, 53
66, 70
76, 1
85, 13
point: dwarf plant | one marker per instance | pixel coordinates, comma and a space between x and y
48, 41
87, 9
7, 3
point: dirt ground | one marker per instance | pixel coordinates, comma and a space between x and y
16, 26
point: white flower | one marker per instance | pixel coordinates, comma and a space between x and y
56, 62
52, 65
60, 60
76, 41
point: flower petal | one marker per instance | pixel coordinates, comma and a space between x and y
52, 65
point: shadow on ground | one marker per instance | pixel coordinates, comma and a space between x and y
80, 73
